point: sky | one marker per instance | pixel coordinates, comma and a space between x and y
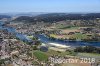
90, 6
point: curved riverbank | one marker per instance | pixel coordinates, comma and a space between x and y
13, 30
45, 39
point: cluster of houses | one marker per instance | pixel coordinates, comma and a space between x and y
11, 49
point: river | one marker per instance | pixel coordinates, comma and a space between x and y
13, 30
45, 39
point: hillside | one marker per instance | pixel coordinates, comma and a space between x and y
54, 17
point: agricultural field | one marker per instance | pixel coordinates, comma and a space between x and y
44, 55
94, 55
69, 27
41, 56
77, 36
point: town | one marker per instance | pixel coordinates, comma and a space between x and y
38, 44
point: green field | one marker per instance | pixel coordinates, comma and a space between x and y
41, 56
94, 55
79, 36
67, 27
52, 52
74, 27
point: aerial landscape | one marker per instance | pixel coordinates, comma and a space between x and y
49, 33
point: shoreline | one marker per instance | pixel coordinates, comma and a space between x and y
58, 45
72, 44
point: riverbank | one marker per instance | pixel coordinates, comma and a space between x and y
43, 38
13, 31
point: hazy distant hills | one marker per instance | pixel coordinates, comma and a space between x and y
17, 14
54, 17
48, 17
4, 16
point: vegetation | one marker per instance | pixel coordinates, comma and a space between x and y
32, 37
76, 36
52, 52
88, 54
68, 27
2, 61
41, 56
88, 49
79, 36
55, 17
35, 47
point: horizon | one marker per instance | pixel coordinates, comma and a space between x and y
48, 12
50, 6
